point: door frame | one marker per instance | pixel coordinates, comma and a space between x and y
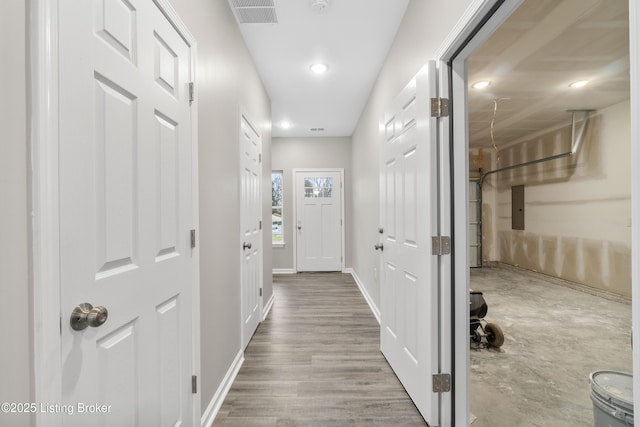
295, 213
478, 22
44, 206
634, 59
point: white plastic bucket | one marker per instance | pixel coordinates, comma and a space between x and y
612, 397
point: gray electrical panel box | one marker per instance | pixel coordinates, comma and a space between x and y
517, 207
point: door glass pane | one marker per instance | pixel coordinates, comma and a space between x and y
318, 187
276, 208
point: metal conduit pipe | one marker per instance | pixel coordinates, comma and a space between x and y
576, 141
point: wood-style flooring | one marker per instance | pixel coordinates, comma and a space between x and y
316, 361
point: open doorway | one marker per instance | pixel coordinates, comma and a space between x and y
556, 271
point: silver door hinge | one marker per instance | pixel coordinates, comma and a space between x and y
439, 107
259, 158
260, 224
191, 92
260, 291
194, 384
441, 383
193, 239
440, 245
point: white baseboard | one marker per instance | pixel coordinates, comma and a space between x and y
218, 398
267, 308
283, 271
374, 309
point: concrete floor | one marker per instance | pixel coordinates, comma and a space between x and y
555, 336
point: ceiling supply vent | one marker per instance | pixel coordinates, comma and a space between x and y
316, 129
254, 11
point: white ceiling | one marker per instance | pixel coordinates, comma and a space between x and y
534, 56
351, 36
531, 59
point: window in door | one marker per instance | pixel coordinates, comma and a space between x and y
318, 187
277, 235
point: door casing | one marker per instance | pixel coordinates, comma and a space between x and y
295, 203
44, 226
478, 22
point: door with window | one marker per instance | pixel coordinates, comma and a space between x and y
318, 220
126, 204
409, 282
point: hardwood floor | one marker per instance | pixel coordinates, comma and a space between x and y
316, 361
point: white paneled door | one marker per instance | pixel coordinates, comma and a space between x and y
251, 227
126, 214
408, 212
318, 222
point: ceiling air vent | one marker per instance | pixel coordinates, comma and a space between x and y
254, 11
316, 129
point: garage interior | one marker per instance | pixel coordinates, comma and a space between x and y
550, 209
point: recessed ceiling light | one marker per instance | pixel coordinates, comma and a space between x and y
285, 124
319, 68
579, 84
319, 6
481, 84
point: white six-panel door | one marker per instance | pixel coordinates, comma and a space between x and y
408, 212
318, 222
251, 220
126, 212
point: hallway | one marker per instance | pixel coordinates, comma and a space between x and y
316, 361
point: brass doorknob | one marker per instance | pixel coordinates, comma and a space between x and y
246, 245
85, 315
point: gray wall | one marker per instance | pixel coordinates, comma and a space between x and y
15, 312
296, 153
226, 81
423, 30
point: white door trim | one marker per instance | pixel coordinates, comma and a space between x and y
44, 224
455, 332
634, 35
295, 203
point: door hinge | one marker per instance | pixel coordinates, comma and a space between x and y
194, 384
439, 107
441, 383
260, 291
191, 92
193, 239
440, 245
259, 158
260, 224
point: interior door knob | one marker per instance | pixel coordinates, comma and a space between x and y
85, 315
379, 247
246, 245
